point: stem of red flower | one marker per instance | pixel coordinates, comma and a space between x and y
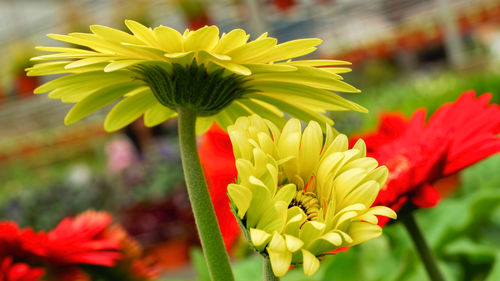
203, 210
422, 247
267, 271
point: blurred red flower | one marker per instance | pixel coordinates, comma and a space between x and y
217, 159
10, 271
10, 241
133, 260
18, 243
418, 154
89, 238
81, 240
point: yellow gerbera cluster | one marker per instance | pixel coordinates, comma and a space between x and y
299, 196
152, 72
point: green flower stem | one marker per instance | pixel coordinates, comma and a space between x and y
204, 214
267, 271
422, 247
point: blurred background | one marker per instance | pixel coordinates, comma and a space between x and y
406, 54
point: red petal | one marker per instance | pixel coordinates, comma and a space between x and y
426, 197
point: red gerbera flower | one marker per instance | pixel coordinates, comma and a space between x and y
81, 240
417, 154
10, 271
16, 242
216, 155
10, 241
133, 260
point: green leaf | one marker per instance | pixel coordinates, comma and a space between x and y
199, 264
494, 273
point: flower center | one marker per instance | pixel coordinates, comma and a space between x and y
177, 85
308, 202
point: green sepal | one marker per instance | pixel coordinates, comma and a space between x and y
176, 85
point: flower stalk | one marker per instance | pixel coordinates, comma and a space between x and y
422, 247
267, 271
203, 211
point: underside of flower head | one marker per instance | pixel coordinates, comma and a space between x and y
151, 72
298, 196
192, 86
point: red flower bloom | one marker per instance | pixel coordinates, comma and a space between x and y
10, 271
10, 241
81, 240
16, 242
417, 154
133, 260
216, 155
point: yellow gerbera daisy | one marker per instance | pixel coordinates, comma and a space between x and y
154, 71
298, 197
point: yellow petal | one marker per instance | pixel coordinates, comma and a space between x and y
129, 109
204, 38
87, 61
259, 238
235, 38
361, 146
117, 65
382, 211
346, 182
241, 196
293, 243
318, 62
364, 194
310, 231
325, 243
277, 243
286, 193
251, 50
97, 100
233, 67
310, 263
157, 114
279, 256
280, 262
380, 175
64, 50
333, 238
288, 50
310, 149
261, 198
115, 35
366, 163
203, 124
169, 39
296, 218
363, 231
274, 217
143, 33
260, 68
